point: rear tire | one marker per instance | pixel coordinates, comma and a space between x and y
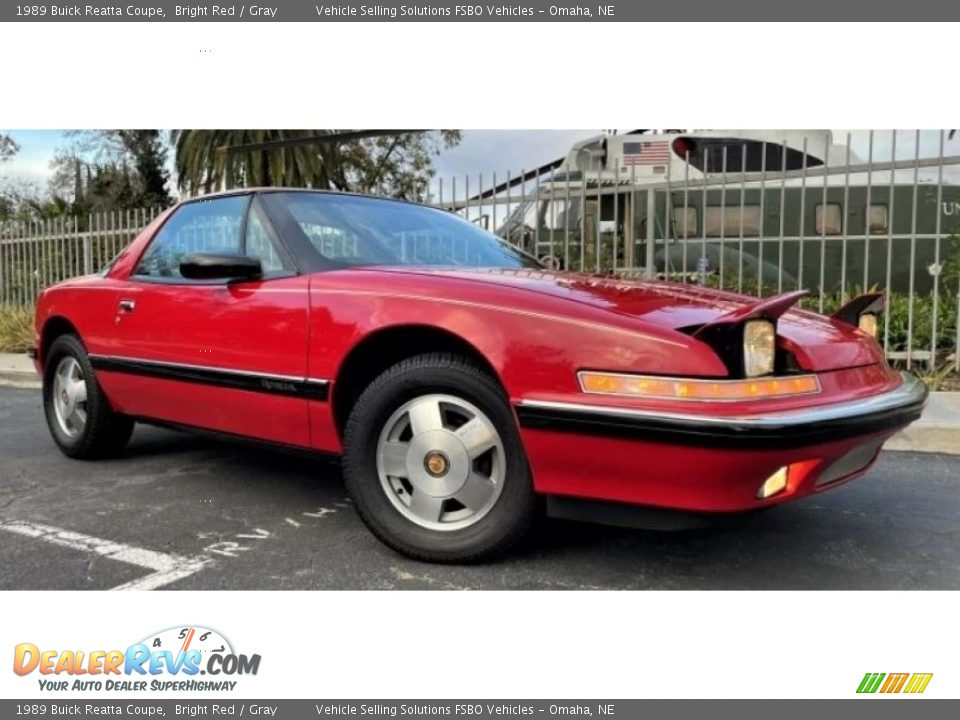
434, 464
81, 421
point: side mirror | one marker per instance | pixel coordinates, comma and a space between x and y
220, 266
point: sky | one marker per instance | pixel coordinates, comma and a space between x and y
481, 151
524, 149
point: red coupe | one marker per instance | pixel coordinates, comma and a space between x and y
459, 380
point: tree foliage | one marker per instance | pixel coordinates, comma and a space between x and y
397, 164
8, 147
105, 170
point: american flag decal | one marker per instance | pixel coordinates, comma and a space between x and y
646, 153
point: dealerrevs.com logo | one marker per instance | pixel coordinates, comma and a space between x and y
889, 683
176, 659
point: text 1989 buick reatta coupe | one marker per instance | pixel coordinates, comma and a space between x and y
459, 380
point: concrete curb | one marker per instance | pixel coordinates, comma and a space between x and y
26, 381
938, 431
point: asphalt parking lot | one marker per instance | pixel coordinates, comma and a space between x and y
183, 511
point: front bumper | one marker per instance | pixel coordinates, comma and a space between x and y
894, 409
708, 463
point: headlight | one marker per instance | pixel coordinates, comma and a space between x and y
867, 322
759, 346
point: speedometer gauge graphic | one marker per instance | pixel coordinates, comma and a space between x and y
183, 639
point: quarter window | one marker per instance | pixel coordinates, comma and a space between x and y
208, 226
259, 242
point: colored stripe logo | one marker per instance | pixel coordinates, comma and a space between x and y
913, 683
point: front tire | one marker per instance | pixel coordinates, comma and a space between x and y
434, 464
81, 421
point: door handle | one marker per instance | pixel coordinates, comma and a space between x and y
127, 306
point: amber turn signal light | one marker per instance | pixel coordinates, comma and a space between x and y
690, 389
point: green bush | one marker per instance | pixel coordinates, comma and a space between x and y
16, 328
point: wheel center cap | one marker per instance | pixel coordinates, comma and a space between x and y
436, 463
65, 397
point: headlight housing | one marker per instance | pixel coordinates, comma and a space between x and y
759, 347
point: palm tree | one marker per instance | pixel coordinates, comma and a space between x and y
202, 167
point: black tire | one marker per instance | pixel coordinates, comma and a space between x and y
514, 511
105, 432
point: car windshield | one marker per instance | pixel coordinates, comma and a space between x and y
353, 230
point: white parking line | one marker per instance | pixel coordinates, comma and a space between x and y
166, 568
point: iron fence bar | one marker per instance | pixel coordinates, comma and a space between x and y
889, 268
508, 218
481, 207
631, 253
3, 265
596, 256
20, 275
536, 215
566, 228
866, 220
934, 337
668, 218
913, 249
583, 221
494, 211
553, 221
743, 209
702, 262
823, 227
686, 212
783, 218
616, 198
843, 225
723, 213
63, 250
763, 218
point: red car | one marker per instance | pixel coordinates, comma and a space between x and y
458, 379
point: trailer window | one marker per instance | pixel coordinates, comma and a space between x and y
716, 155
685, 222
728, 221
828, 219
877, 218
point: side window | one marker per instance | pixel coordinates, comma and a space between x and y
206, 226
828, 219
259, 242
729, 221
877, 218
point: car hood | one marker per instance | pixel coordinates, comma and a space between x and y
819, 342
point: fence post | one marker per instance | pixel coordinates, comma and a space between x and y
650, 270
88, 248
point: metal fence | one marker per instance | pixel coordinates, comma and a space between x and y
36, 254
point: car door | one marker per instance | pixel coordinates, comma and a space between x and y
226, 356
